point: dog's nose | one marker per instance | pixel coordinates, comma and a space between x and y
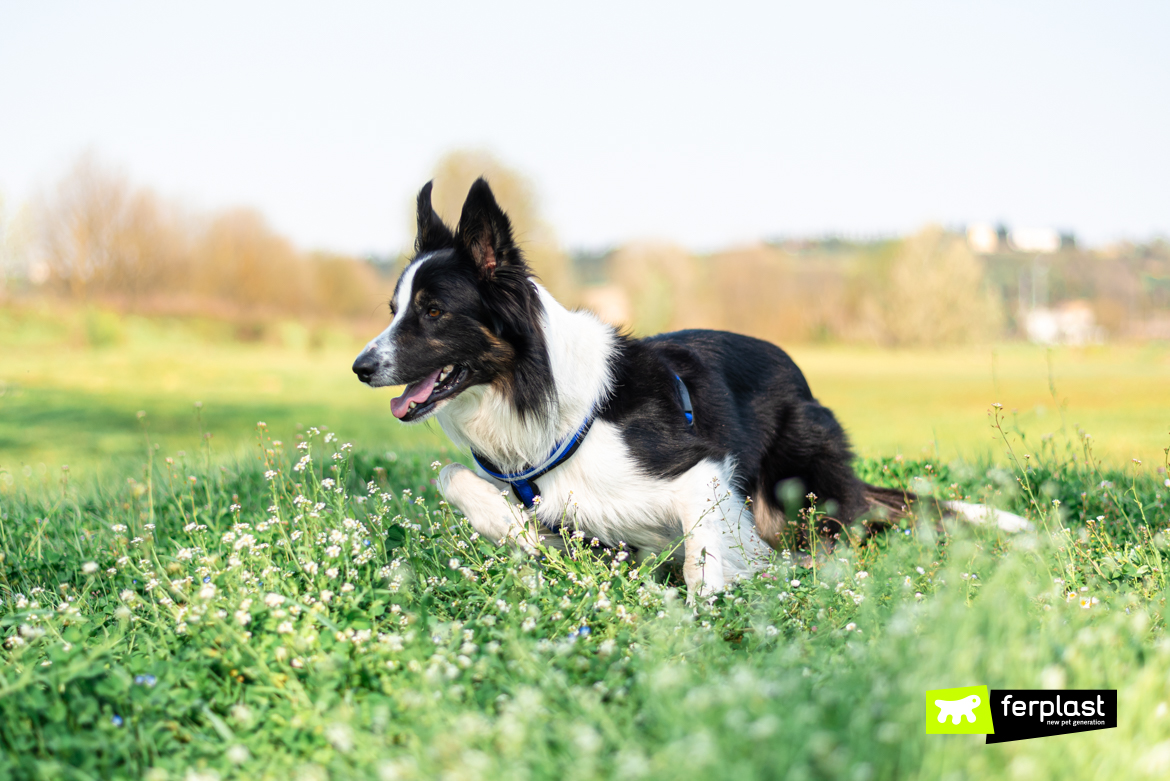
365, 366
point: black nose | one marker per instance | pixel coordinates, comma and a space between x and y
365, 366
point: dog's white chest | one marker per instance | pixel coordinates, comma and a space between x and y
602, 492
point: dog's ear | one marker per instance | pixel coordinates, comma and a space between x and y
486, 233
432, 233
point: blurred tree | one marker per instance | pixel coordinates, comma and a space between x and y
661, 287
453, 177
927, 289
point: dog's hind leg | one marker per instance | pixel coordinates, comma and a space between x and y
489, 512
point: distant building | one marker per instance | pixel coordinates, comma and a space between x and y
1038, 240
983, 238
1071, 323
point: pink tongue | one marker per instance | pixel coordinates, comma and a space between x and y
418, 391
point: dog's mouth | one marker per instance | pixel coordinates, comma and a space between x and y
420, 397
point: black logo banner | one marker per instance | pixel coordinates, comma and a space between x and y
1021, 714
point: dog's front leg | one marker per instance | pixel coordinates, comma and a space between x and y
491, 514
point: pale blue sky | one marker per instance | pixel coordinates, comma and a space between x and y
708, 124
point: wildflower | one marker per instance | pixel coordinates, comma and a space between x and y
528, 625
921, 571
1087, 602
795, 583
89, 567
607, 647
333, 551
119, 527
285, 628
850, 626
310, 567
208, 591
297, 663
243, 617
273, 599
116, 721
238, 754
145, 680
269, 474
128, 596
326, 596
348, 587
331, 573
771, 631
862, 575
435, 465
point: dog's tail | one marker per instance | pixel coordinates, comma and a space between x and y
886, 507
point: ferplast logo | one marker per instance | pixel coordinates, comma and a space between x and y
1004, 715
962, 711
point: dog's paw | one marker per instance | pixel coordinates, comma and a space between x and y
448, 475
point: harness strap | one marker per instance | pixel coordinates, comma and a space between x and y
685, 397
524, 482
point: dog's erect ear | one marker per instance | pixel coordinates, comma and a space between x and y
486, 233
432, 233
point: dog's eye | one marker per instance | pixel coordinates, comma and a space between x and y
433, 312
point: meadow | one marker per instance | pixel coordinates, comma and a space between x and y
294, 600
72, 384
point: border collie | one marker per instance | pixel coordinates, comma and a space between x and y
687, 435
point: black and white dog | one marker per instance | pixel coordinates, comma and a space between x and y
644, 441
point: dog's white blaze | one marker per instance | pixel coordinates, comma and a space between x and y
383, 343
484, 418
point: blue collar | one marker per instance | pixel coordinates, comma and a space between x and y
524, 481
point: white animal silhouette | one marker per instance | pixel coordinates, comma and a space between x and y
957, 709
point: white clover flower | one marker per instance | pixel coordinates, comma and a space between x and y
333, 551
89, 567
348, 587
128, 596
528, 625
208, 591
273, 599
310, 567
326, 596
795, 583
243, 617
285, 628
332, 573
862, 575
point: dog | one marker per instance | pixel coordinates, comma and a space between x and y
693, 435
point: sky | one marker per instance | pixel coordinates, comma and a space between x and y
699, 123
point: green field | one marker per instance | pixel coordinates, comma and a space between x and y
340, 622
207, 610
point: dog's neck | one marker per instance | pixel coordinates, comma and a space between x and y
485, 419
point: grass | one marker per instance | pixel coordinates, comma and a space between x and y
323, 614
181, 607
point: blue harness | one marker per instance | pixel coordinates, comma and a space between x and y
524, 482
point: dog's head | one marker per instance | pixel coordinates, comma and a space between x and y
465, 312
